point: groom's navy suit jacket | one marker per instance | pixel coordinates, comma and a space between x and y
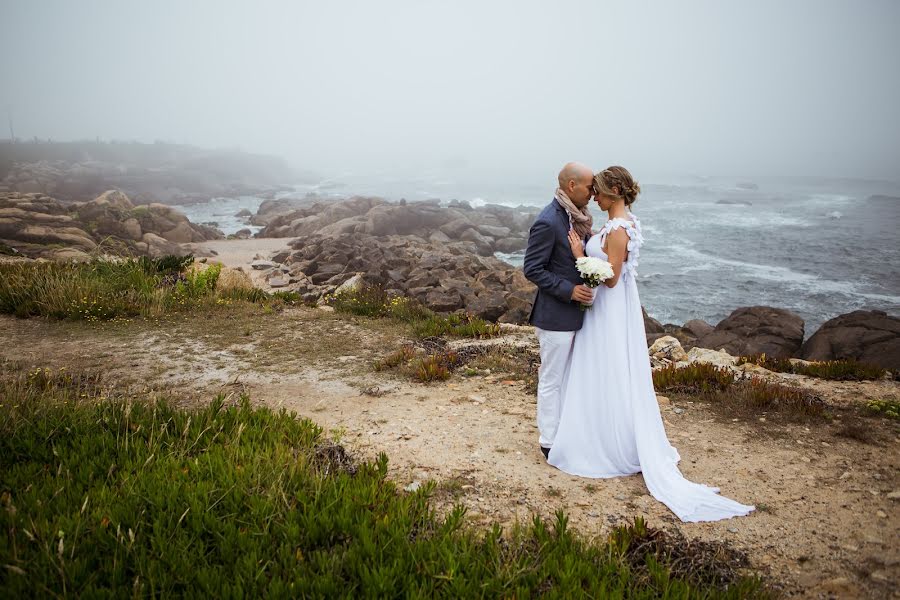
550, 265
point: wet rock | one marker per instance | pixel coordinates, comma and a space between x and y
757, 329
868, 336
651, 325
697, 328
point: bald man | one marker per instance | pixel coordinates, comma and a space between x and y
556, 314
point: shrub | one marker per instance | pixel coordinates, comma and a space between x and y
759, 394
694, 378
401, 357
889, 408
718, 386
842, 370
140, 498
431, 368
436, 367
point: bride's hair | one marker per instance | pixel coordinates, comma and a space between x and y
617, 177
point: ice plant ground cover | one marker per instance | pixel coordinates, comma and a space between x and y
106, 494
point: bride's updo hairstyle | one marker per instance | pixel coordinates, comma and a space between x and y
610, 179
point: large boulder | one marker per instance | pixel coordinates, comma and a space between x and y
651, 325
757, 329
40, 226
697, 328
666, 350
869, 336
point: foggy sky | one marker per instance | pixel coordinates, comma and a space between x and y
513, 88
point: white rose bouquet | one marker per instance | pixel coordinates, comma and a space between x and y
593, 271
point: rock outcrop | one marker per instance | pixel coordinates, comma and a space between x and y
487, 229
868, 336
756, 329
445, 277
36, 226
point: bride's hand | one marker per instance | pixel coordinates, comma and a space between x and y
576, 244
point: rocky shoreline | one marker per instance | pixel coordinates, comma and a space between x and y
443, 256
38, 226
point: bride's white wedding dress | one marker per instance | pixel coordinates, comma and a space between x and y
610, 423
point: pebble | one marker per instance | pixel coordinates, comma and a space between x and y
415, 485
678, 411
732, 530
881, 514
895, 495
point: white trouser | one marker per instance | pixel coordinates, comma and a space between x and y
556, 349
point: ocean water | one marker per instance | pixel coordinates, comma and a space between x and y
817, 247
222, 213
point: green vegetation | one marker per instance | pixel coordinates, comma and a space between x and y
375, 302
436, 362
102, 290
889, 408
119, 496
695, 378
841, 370
718, 386
419, 365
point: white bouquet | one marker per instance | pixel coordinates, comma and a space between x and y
593, 271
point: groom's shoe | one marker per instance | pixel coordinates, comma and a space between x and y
545, 452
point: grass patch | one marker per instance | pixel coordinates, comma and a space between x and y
720, 387
838, 370
374, 302
102, 290
130, 498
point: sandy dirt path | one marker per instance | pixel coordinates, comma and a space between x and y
827, 519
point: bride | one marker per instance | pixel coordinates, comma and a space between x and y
610, 423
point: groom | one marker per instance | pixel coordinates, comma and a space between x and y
550, 265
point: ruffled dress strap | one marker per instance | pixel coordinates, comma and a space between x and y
632, 226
